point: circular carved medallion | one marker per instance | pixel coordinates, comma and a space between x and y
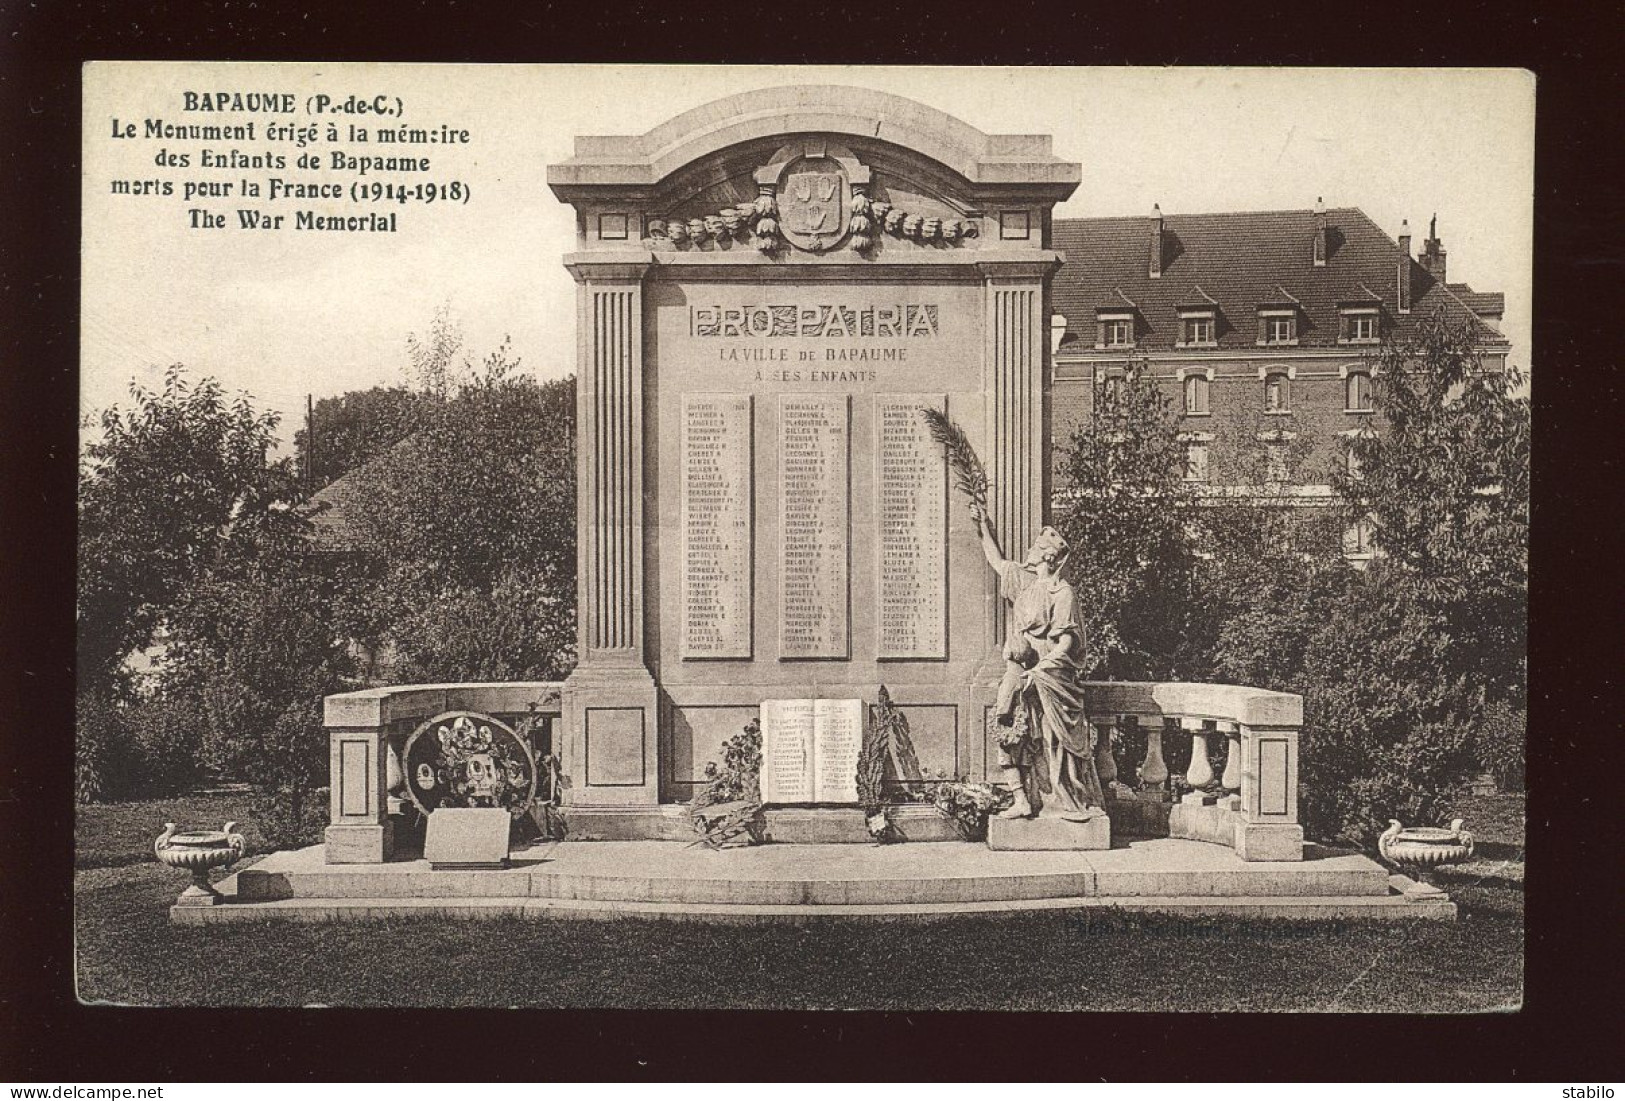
464, 759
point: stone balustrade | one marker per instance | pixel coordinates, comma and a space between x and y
366, 732
1250, 806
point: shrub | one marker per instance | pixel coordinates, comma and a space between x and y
101, 748
1499, 744
165, 739
289, 818
521, 628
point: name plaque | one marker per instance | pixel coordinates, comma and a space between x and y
810, 750
912, 492
716, 492
813, 508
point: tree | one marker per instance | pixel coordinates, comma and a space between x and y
352, 428
1126, 519
1446, 491
254, 651
474, 516
1412, 669
158, 490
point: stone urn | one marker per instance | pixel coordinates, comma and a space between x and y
1420, 849
197, 853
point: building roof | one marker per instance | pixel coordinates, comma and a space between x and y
336, 508
1241, 262
1490, 305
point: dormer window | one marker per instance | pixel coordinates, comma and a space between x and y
1360, 324
1116, 329
1116, 317
1278, 323
1198, 320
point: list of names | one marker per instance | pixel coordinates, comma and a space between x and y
911, 488
716, 517
813, 506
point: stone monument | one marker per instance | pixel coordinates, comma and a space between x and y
771, 287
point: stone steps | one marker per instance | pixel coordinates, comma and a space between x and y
512, 883
962, 877
1390, 906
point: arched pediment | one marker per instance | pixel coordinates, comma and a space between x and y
634, 163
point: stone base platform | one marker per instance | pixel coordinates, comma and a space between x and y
775, 883
1049, 834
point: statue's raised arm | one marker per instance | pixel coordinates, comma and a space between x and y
990, 542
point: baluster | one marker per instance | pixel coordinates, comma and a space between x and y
1200, 773
1154, 772
1105, 751
1232, 764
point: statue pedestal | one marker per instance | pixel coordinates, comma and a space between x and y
1018, 834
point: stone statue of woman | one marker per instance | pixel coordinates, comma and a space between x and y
1046, 744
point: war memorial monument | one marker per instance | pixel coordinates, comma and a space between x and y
773, 290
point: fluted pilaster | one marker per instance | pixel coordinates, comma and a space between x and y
610, 462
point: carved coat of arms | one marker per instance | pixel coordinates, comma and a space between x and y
812, 208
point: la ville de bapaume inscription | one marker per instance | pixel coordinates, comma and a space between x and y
748, 325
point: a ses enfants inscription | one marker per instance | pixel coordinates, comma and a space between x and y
911, 489
716, 518
813, 592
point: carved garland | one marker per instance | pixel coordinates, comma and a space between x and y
900, 223
759, 221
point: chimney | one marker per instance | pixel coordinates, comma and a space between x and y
1403, 277
1156, 241
1320, 233
1433, 254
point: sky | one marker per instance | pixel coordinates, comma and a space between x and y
280, 315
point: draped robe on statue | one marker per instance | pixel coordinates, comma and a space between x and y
1050, 739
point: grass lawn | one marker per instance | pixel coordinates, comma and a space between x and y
129, 953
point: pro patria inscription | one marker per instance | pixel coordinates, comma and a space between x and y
813, 506
911, 492
716, 518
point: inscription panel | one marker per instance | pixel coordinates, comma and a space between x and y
716, 492
814, 594
911, 489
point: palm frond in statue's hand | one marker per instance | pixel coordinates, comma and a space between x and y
969, 477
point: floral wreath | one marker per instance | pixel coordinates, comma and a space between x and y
463, 759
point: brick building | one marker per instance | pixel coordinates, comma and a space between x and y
1258, 326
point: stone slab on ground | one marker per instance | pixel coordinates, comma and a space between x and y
848, 825
467, 837
805, 882
1049, 834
